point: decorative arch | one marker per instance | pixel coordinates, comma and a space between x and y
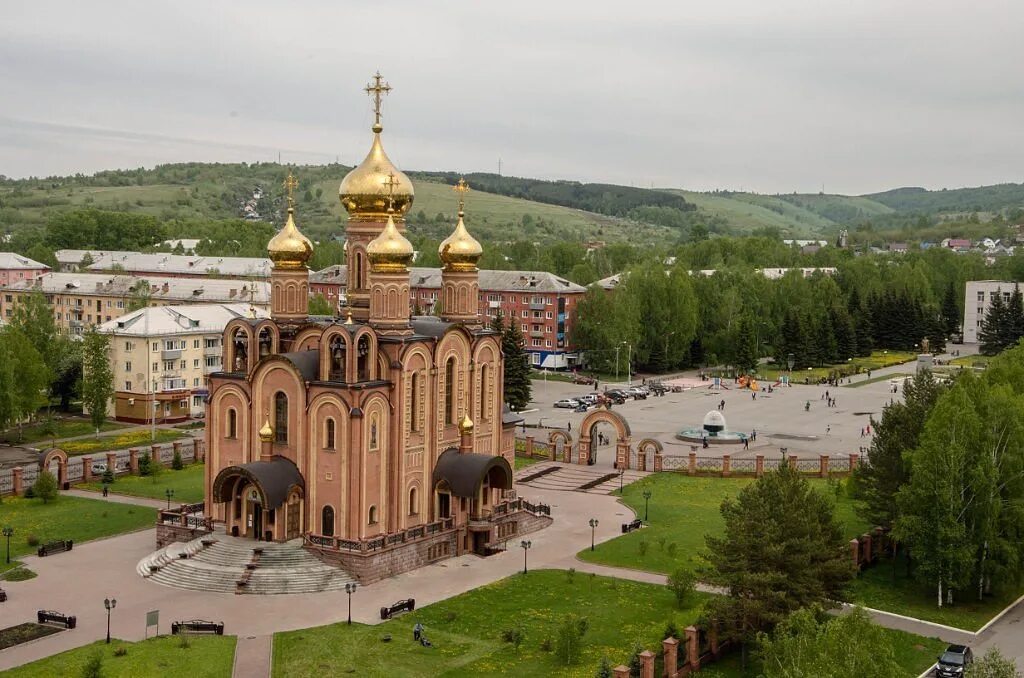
587, 454
415, 372
327, 521
336, 345
560, 446
268, 339
46, 460
238, 350
307, 338
362, 359
650, 446
413, 496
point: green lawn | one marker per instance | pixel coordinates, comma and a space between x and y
976, 360
873, 380
682, 510
162, 657
186, 483
55, 430
134, 438
465, 631
523, 462
875, 361
68, 518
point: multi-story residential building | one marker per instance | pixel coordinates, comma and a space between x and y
542, 304
16, 268
70, 261
163, 264
977, 300
80, 300
161, 356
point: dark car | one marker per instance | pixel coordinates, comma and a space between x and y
954, 661
616, 396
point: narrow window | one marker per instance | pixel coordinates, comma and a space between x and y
373, 515
449, 391
373, 432
281, 418
232, 423
483, 392
327, 522
329, 434
414, 401
414, 506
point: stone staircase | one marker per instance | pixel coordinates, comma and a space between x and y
219, 567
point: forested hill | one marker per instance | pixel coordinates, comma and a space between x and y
978, 199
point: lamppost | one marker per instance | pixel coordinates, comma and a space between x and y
621, 473
525, 545
617, 364
350, 588
169, 493
789, 363
593, 527
110, 604
647, 498
8, 531
629, 357
783, 450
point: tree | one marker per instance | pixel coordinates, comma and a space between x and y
745, 352
811, 643
24, 378
782, 549
34, 317
682, 583
667, 305
139, 296
145, 464
604, 670
517, 368
992, 665
951, 309
569, 638
993, 326
97, 376
177, 463
600, 323
45, 486
319, 305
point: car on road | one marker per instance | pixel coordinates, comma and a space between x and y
637, 392
617, 396
588, 399
954, 661
567, 403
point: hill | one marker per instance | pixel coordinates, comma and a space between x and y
996, 198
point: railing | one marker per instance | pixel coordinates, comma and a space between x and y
674, 463
808, 465
383, 542
743, 466
707, 464
6, 482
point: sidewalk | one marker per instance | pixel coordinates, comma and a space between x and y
116, 498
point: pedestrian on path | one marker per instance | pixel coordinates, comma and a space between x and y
828, 430
746, 443
417, 631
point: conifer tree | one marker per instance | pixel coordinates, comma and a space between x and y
993, 326
517, 367
951, 309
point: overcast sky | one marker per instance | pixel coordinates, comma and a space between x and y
778, 96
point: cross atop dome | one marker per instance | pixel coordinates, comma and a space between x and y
290, 184
378, 89
389, 186
461, 188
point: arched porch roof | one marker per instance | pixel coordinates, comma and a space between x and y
273, 479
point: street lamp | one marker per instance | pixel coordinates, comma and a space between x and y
350, 588
621, 473
593, 526
525, 545
110, 604
8, 531
169, 493
647, 498
790, 361
617, 364
629, 355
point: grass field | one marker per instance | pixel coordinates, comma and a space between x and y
68, 518
875, 361
465, 631
162, 657
875, 380
133, 438
186, 483
523, 462
977, 360
55, 430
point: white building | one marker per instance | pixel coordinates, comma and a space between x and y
977, 300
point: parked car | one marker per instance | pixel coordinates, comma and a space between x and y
568, 403
582, 379
582, 407
637, 390
954, 661
588, 399
617, 396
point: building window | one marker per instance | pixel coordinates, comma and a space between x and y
525, 314
547, 314
184, 364
195, 382
483, 392
156, 346
232, 423
327, 522
526, 328
128, 346
195, 362
372, 518
127, 385
981, 296
414, 503
197, 401
329, 434
414, 401
195, 343
281, 418
373, 432
128, 366
449, 391
535, 342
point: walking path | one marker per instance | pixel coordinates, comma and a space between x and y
253, 656
116, 498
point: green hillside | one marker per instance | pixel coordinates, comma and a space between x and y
744, 213
978, 199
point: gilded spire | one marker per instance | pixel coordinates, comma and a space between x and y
266, 432
289, 248
460, 251
377, 89
465, 424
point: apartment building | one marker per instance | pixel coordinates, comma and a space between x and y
163, 264
977, 300
161, 356
16, 268
80, 300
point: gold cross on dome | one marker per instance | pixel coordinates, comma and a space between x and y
378, 89
461, 188
389, 185
290, 184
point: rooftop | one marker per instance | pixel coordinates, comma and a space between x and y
162, 262
160, 288
12, 261
188, 319
498, 281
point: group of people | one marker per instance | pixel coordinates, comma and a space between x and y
866, 431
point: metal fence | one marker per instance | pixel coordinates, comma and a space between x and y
6, 482
674, 463
743, 466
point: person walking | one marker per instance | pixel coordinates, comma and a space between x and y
746, 443
828, 430
417, 631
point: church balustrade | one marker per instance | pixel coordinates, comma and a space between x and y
384, 542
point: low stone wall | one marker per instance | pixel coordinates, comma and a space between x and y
527, 523
373, 566
168, 534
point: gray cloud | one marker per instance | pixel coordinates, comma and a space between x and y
778, 96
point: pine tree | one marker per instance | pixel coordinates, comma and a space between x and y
845, 333
951, 309
1014, 318
745, 347
517, 368
993, 326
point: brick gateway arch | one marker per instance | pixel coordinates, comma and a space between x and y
560, 446
46, 461
622, 434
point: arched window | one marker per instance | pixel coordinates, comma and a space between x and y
373, 432
483, 392
363, 358
280, 418
414, 401
327, 522
264, 342
232, 423
414, 502
329, 434
337, 371
449, 391
372, 519
241, 350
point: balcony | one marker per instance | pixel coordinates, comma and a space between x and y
493, 304
213, 350
537, 307
207, 369
537, 335
171, 355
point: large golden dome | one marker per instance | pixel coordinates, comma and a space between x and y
460, 251
364, 191
289, 248
389, 252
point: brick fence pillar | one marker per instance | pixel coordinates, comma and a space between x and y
657, 462
823, 465
552, 451
584, 450
692, 658
200, 450
86, 469
529, 446
792, 462
670, 647
646, 664
855, 553
622, 455
853, 461
641, 460
713, 639
62, 474
112, 461
726, 466
16, 481
133, 461
759, 465
865, 539
154, 454
692, 466
176, 445
621, 671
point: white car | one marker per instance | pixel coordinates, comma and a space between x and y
568, 403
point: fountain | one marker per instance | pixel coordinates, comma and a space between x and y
714, 430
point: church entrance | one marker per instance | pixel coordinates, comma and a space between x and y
261, 500
254, 520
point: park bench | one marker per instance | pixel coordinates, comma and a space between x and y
56, 618
3, 596
55, 547
197, 626
629, 527
407, 605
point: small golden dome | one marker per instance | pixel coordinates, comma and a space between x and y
266, 432
465, 424
389, 252
363, 190
460, 251
289, 248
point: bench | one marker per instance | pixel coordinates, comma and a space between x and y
56, 618
629, 527
55, 547
197, 626
407, 605
3, 596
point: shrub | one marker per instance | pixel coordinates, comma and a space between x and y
176, 463
120, 651
32, 540
642, 547
570, 574
671, 549
512, 636
93, 667
570, 638
108, 476
145, 464
671, 630
681, 583
634, 660
661, 543
184, 642
30, 493
45, 487
604, 670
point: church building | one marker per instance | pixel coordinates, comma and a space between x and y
380, 439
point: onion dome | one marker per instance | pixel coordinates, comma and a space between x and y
289, 248
389, 252
466, 425
460, 251
362, 191
266, 432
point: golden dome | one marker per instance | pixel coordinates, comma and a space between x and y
289, 248
460, 251
363, 191
266, 432
389, 252
465, 424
